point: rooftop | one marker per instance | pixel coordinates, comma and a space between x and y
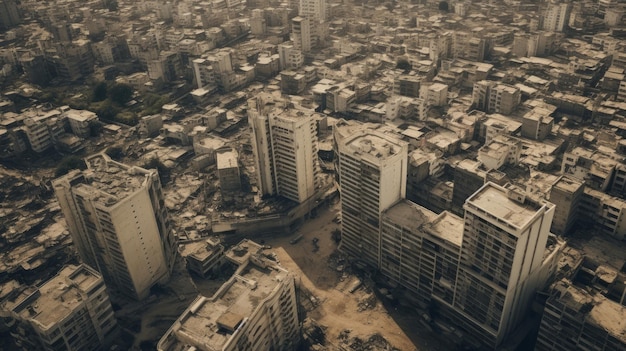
226, 159
111, 181
503, 204
361, 139
409, 214
58, 297
449, 227
210, 322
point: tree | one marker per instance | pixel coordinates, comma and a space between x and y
95, 128
121, 93
68, 163
443, 6
106, 110
127, 117
403, 64
115, 152
99, 92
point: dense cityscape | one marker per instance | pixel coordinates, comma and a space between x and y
314, 175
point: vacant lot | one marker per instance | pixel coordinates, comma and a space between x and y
338, 309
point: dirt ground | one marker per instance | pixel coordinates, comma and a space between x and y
338, 309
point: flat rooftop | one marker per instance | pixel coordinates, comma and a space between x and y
226, 159
409, 214
495, 200
58, 297
200, 250
568, 184
111, 181
211, 321
375, 144
448, 227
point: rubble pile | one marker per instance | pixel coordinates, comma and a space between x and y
374, 343
313, 333
368, 302
33, 234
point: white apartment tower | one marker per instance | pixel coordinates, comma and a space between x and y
119, 223
284, 140
372, 167
502, 254
556, 17
313, 9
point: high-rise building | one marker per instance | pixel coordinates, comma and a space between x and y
301, 33
71, 311
556, 17
256, 309
578, 318
284, 139
9, 14
420, 251
119, 223
313, 9
502, 260
372, 168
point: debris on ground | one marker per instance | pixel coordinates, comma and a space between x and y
368, 302
374, 343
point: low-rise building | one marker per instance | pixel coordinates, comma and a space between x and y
204, 257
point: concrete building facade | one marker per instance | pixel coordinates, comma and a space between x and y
556, 17
117, 217
71, 311
256, 309
285, 146
504, 240
372, 168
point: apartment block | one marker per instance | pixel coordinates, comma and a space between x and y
595, 168
534, 44
43, 128
372, 168
499, 151
604, 213
256, 309
290, 56
494, 97
502, 259
301, 33
71, 311
80, 121
407, 85
284, 141
556, 17
469, 176
316, 10
537, 124
420, 251
118, 221
204, 257
435, 94
228, 169
576, 318
566, 194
